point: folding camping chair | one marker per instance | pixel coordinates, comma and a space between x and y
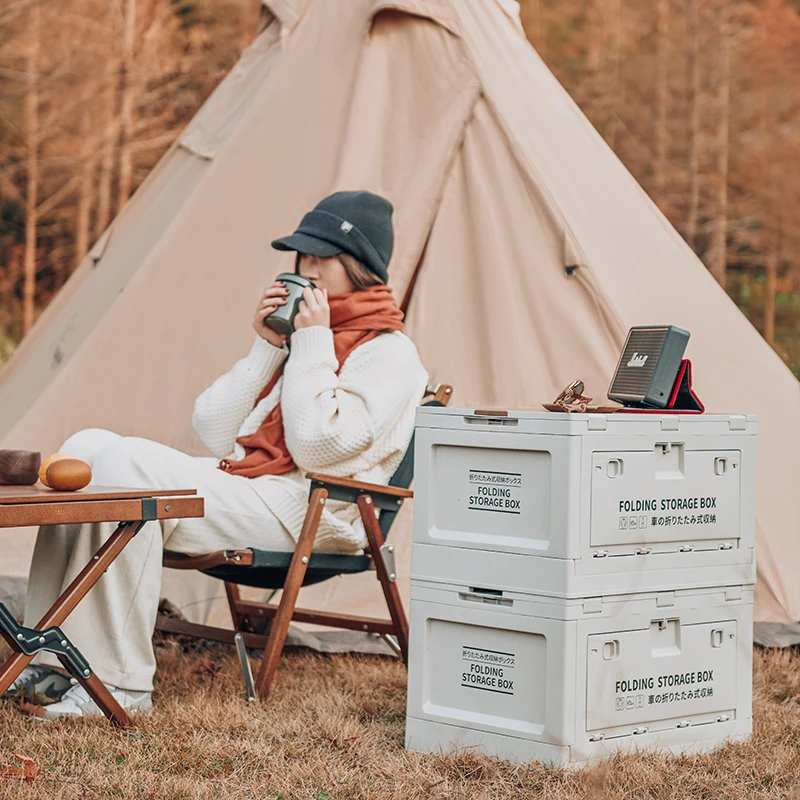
289, 571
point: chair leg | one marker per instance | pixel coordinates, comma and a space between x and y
291, 588
388, 583
233, 595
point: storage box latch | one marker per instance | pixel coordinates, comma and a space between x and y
491, 597
734, 593
610, 650
593, 605
664, 599
596, 422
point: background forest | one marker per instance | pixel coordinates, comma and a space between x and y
699, 98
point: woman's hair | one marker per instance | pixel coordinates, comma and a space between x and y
361, 276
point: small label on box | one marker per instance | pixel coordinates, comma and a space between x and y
495, 491
488, 670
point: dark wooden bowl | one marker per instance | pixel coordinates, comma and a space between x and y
19, 467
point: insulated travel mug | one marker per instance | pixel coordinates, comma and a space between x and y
281, 320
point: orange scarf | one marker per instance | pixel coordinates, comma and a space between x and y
356, 318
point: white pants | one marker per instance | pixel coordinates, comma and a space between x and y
113, 625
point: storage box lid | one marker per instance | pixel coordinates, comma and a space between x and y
554, 423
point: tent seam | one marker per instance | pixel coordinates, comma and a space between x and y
436, 200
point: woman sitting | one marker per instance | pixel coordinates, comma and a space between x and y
339, 396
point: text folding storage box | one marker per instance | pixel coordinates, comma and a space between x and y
575, 505
528, 677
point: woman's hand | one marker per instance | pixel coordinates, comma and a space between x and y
273, 297
313, 309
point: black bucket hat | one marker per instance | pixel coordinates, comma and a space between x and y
357, 223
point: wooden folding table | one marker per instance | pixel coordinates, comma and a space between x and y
36, 505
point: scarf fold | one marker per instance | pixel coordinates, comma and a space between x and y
356, 318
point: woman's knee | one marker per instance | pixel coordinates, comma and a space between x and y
132, 462
88, 444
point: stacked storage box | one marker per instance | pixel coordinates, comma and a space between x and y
581, 583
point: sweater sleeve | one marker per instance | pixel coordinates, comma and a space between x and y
330, 418
222, 408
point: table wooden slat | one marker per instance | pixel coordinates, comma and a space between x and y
26, 514
12, 495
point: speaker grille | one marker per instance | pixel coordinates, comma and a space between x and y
633, 382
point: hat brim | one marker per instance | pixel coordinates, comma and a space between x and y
307, 245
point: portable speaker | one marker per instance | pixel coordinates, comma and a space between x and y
649, 366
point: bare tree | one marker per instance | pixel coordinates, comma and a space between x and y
719, 240
110, 133
662, 95
771, 287
86, 187
32, 66
694, 123
126, 107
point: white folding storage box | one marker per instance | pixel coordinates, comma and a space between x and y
534, 678
588, 504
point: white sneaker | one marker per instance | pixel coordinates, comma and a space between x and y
39, 684
76, 702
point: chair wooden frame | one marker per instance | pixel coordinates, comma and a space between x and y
368, 497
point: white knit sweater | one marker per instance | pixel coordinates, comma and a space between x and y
356, 424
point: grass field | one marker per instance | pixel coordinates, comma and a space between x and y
335, 730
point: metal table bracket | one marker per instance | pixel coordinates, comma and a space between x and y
50, 640
149, 509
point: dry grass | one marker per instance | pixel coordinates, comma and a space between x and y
335, 730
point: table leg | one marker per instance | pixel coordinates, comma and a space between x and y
107, 704
66, 603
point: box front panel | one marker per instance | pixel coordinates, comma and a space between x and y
665, 498
665, 672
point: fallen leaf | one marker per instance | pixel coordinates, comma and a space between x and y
27, 772
219, 770
208, 669
34, 709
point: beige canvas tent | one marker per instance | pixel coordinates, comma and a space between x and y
525, 251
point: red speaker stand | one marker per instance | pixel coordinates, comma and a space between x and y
682, 399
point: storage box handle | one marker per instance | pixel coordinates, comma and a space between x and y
490, 417
486, 596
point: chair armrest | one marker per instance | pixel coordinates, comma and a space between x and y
366, 488
347, 490
440, 393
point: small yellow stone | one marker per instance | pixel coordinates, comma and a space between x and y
47, 462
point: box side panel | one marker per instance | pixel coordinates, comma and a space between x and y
666, 496
665, 671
